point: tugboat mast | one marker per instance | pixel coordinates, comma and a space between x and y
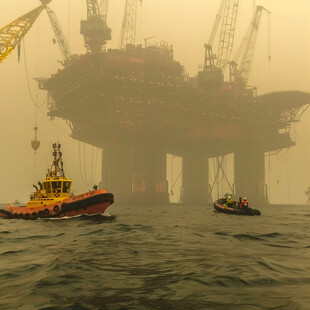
57, 165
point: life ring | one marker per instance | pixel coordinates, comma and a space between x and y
56, 209
46, 212
34, 215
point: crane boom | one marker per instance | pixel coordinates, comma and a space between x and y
128, 35
227, 33
104, 8
64, 48
92, 9
209, 64
216, 23
12, 34
228, 14
94, 29
247, 49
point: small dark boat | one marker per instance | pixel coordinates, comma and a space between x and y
233, 208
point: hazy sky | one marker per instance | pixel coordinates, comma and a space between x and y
186, 24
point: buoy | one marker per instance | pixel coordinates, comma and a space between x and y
35, 143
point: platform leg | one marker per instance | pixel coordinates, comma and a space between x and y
250, 174
149, 174
116, 171
195, 179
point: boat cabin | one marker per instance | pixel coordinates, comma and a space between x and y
57, 187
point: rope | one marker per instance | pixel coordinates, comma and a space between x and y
83, 173
69, 22
27, 78
269, 40
175, 182
216, 176
31, 95
171, 172
220, 168
80, 165
288, 179
269, 170
141, 27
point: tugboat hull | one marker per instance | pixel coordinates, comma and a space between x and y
95, 202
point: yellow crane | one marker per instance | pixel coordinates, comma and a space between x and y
12, 34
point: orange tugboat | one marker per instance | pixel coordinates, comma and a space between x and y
53, 199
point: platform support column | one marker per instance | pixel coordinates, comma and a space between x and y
116, 171
195, 179
250, 173
149, 174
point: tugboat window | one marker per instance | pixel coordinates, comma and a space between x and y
66, 187
47, 187
56, 185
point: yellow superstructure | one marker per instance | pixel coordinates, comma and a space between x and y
52, 190
56, 187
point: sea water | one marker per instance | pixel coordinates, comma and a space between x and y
158, 257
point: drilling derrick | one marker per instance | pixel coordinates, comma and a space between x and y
128, 35
12, 34
95, 29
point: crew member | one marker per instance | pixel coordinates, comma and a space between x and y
229, 201
244, 203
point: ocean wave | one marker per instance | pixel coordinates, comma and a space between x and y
144, 260
12, 252
248, 236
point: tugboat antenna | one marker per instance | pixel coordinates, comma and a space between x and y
56, 169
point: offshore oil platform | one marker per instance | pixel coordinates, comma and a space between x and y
137, 104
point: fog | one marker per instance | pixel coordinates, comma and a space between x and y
186, 24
